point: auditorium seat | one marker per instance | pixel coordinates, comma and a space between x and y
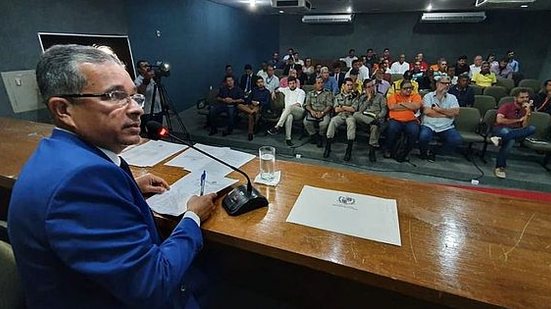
541, 140
508, 84
504, 100
497, 92
395, 77
533, 84
484, 103
277, 106
278, 73
468, 126
307, 88
477, 89
488, 123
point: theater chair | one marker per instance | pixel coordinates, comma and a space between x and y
497, 92
506, 83
484, 103
533, 84
487, 126
505, 100
541, 140
468, 126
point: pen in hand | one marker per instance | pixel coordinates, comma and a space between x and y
203, 180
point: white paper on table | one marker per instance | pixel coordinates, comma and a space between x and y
195, 161
351, 214
174, 201
151, 153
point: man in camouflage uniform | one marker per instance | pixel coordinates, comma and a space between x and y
319, 103
345, 104
372, 112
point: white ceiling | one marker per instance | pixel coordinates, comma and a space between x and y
379, 6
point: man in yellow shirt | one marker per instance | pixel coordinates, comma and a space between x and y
485, 78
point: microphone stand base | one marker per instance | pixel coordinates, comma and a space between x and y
240, 201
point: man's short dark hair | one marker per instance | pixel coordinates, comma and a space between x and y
367, 81
504, 59
270, 66
370, 50
355, 61
336, 65
229, 76
462, 57
248, 67
139, 63
408, 75
228, 66
354, 72
351, 50
298, 67
522, 90
258, 78
464, 75
291, 79
386, 49
545, 83
348, 79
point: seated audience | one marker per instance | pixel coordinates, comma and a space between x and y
318, 105
228, 71
484, 78
363, 71
439, 112
402, 108
283, 81
276, 62
381, 85
426, 82
296, 59
357, 84
502, 69
310, 70
491, 59
463, 92
263, 72
338, 74
301, 77
349, 58
512, 124
476, 66
294, 99
423, 63
370, 59
451, 74
461, 66
513, 63
385, 66
228, 97
542, 100
289, 54
400, 66
345, 104
386, 55
247, 80
371, 112
416, 71
272, 81
395, 87
258, 100
440, 69
329, 82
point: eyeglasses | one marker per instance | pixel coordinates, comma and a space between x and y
115, 96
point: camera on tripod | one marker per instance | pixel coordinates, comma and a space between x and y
162, 69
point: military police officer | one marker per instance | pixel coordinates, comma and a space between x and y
372, 112
345, 104
318, 105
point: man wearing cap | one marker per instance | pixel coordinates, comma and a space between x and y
439, 112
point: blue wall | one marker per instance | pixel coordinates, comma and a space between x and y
198, 38
21, 20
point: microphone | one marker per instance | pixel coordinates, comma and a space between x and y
241, 199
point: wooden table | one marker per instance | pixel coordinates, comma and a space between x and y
459, 247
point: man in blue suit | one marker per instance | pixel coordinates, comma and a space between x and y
82, 233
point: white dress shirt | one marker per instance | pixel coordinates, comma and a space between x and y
293, 96
397, 68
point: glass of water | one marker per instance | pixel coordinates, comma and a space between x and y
267, 162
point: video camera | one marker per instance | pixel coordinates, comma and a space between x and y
161, 68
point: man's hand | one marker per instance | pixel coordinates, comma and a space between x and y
150, 183
297, 104
228, 100
202, 205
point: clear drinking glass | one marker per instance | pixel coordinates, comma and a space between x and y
267, 162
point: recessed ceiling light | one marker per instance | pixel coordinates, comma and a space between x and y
252, 2
349, 9
524, 6
429, 7
281, 12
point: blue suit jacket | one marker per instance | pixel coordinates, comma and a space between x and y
83, 235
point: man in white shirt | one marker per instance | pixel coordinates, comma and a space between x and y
363, 70
294, 99
400, 66
263, 71
351, 57
146, 86
476, 66
271, 82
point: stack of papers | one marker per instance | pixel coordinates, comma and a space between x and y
197, 162
174, 201
150, 153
